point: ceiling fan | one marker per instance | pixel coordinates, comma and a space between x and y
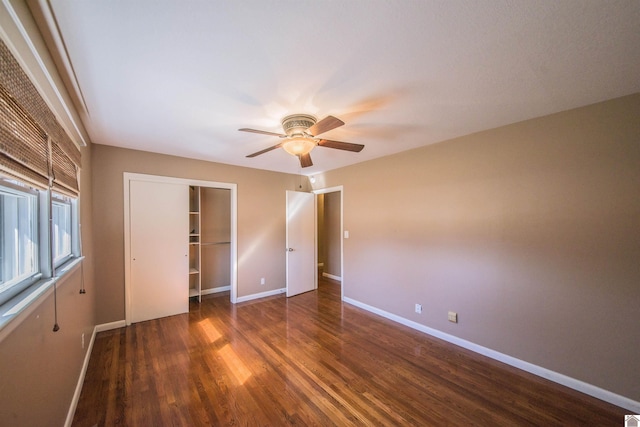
300, 137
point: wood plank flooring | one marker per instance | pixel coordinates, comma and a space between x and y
310, 360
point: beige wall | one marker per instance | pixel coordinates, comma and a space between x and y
261, 219
39, 368
530, 232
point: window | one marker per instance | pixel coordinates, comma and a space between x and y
18, 239
61, 229
25, 252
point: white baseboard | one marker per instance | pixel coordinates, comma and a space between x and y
261, 295
331, 276
112, 325
85, 365
215, 290
78, 390
581, 386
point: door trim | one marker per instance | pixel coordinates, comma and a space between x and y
127, 178
340, 189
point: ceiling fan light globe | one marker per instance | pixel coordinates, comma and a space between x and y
299, 146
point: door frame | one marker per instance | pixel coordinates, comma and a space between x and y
127, 178
339, 189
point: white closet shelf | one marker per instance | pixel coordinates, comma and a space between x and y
193, 292
215, 243
193, 271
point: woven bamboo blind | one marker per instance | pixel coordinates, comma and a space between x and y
26, 125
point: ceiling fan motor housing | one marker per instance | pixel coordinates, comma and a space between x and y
297, 124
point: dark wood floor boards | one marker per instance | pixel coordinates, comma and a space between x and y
309, 360
465, 379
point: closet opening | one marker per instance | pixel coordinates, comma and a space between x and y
209, 241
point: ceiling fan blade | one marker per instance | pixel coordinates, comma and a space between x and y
347, 146
262, 132
305, 160
266, 150
325, 125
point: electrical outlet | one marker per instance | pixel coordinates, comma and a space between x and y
419, 308
453, 317
262, 281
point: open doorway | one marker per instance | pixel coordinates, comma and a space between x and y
330, 234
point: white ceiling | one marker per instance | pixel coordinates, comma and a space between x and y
180, 77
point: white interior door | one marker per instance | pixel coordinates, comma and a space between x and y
302, 272
159, 254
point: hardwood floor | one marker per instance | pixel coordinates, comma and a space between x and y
310, 360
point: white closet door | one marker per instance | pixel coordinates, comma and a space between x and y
159, 229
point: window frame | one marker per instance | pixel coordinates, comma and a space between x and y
13, 187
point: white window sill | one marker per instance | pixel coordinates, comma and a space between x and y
14, 311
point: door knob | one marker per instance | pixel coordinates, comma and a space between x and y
290, 249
